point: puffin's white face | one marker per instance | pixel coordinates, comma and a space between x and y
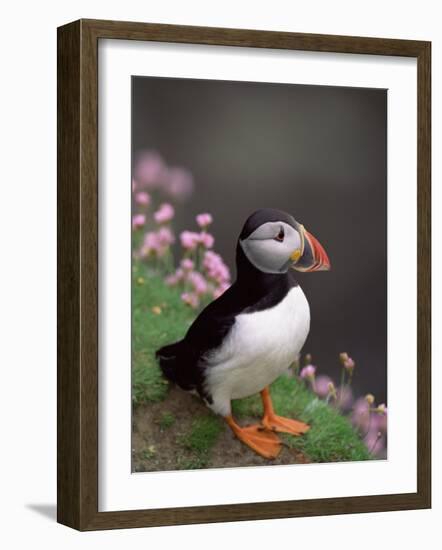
274, 246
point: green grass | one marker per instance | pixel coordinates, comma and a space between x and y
203, 434
166, 420
195, 462
159, 318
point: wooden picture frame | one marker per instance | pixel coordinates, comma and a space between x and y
77, 459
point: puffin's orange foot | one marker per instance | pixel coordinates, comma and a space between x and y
287, 425
263, 442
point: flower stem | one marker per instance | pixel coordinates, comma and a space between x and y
368, 425
342, 385
296, 367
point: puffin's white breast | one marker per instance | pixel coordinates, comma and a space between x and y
260, 347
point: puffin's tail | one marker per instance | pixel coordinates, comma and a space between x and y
170, 358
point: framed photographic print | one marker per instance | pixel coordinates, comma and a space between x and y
243, 274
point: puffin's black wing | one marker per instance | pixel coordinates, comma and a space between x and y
184, 362
212, 325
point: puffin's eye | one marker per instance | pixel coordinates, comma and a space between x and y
280, 236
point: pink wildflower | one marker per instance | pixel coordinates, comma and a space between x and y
156, 242
149, 170
308, 372
204, 220
151, 244
190, 299
206, 239
361, 414
198, 282
142, 198
138, 220
215, 267
210, 260
164, 214
165, 236
221, 274
187, 264
189, 240
349, 364
179, 183
322, 385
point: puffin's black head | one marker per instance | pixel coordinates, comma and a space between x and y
273, 241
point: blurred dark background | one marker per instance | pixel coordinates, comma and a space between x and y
319, 153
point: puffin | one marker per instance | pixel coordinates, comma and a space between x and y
249, 336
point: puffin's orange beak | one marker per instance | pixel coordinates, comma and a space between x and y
321, 260
313, 257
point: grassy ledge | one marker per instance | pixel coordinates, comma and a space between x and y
174, 430
158, 318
